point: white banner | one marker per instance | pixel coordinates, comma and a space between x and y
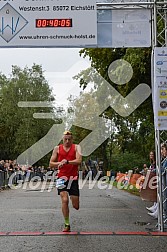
51, 23
160, 88
124, 28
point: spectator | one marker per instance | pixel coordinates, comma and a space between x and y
2, 168
164, 175
136, 170
153, 209
126, 179
144, 171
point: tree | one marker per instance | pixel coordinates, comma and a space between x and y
85, 120
128, 137
18, 127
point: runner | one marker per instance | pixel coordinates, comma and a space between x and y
67, 157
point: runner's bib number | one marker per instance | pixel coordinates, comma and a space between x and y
60, 183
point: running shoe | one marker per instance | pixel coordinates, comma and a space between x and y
66, 228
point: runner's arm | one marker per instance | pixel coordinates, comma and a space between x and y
53, 160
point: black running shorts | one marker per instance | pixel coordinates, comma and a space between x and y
70, 186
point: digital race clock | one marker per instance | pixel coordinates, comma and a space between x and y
53, 23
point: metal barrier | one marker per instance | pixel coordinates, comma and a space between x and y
18, 176
3, 179
164, 193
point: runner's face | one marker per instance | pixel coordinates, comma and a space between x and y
67, 140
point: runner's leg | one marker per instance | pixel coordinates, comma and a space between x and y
75, 201
65, 207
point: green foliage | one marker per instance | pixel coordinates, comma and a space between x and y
18, 129
129, 189
84, 109
135, 133
127, 161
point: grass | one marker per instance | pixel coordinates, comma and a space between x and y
128, 188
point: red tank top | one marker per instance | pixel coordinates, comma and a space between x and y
68, 170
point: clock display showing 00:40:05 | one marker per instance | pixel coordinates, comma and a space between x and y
46, 23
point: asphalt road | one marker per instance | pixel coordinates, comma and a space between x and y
108, 220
